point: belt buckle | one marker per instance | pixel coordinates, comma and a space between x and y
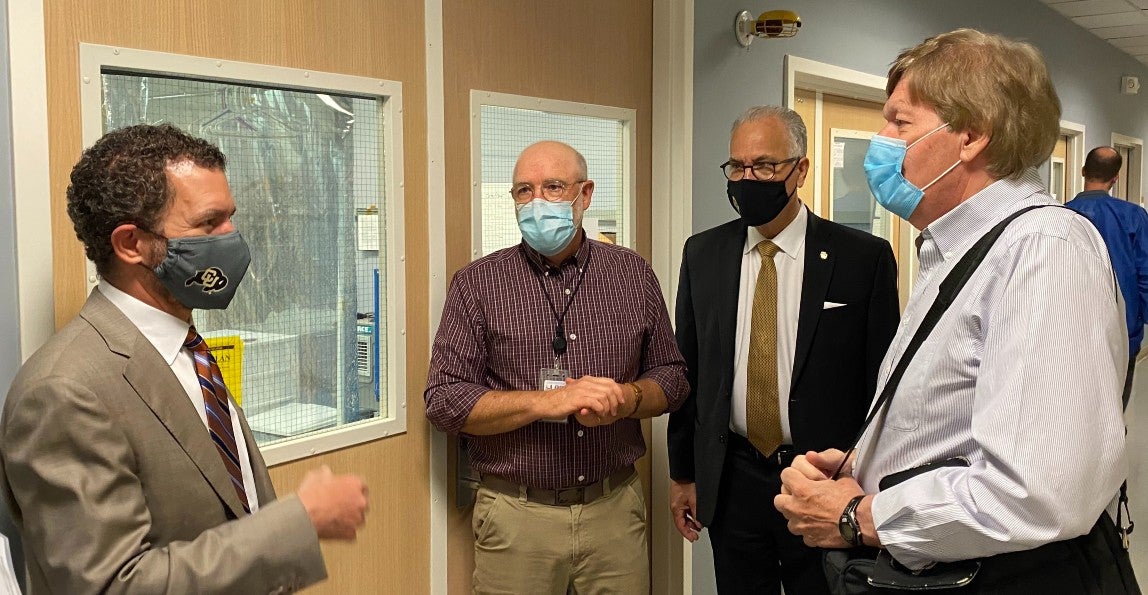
569, 496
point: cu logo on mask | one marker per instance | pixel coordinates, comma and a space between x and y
212, 279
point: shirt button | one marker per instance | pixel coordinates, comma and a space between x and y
567, 291
573, 336
581, 478
580, 433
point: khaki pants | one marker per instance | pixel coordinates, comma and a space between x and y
521, 547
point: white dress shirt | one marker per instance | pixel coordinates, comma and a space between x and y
1022, 376
167, 333
790, 263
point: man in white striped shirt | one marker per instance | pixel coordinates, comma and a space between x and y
1022, 375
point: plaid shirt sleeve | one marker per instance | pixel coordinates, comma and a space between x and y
458, 360
662, 362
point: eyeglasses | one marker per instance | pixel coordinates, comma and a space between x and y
762, 170
550, 190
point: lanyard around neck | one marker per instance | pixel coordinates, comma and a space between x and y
558, 343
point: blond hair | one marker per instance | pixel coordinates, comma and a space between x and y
988, 84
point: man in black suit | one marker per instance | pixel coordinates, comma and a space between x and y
783, 318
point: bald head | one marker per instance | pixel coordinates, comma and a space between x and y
550, 159
1102, 165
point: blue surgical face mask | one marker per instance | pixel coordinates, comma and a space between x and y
547, 226
203, 272
884, 162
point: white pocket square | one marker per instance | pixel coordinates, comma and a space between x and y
831, 305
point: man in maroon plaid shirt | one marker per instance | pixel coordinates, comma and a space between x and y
547, 356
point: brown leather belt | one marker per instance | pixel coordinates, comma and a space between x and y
565, 496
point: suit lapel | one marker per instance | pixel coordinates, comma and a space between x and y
152, 379
819, 259
726, 282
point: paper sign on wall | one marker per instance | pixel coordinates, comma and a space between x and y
838, 155
228, 354
368, 232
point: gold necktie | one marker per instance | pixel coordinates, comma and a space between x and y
762, 412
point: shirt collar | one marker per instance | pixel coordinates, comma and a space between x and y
539, 261
164, 331
1092, 194
976, 213
788, 240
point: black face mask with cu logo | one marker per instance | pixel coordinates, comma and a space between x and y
202, 272
759, 202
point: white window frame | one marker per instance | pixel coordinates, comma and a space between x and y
626, 116
1135, 166
94, 58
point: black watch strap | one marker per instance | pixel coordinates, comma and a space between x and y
848, 525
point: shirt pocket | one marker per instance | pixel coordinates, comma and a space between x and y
904, 411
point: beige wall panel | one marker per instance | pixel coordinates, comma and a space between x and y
593, 51
373, 38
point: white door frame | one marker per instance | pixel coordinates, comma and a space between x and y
671, 224
1135, 165
1074, 161
27, 63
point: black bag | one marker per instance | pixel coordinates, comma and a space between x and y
855, 573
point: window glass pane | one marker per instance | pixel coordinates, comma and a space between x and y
307, 351
507, 131
853, 204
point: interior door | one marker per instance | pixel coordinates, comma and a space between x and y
1058, 179
839, 129
1120, 190
550, 50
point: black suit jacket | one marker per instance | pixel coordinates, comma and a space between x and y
836, 359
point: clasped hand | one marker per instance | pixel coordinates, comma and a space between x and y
812, 502
593, 401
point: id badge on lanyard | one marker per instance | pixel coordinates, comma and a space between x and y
550, 379
555, 377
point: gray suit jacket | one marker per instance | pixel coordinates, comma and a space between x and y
117, 487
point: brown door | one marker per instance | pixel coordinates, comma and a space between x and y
597, 52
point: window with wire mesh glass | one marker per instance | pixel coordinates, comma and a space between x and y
506, 131
306, 172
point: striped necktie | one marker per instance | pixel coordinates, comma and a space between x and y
216, 401
762, 410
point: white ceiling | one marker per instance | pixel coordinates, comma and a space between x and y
1123, 23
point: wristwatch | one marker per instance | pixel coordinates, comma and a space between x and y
848, 526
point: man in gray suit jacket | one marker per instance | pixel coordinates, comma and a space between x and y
127, 466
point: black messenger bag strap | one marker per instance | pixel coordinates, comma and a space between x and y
946, 294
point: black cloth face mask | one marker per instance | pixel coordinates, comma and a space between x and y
759, 202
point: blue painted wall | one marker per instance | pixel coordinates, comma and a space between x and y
866, 35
